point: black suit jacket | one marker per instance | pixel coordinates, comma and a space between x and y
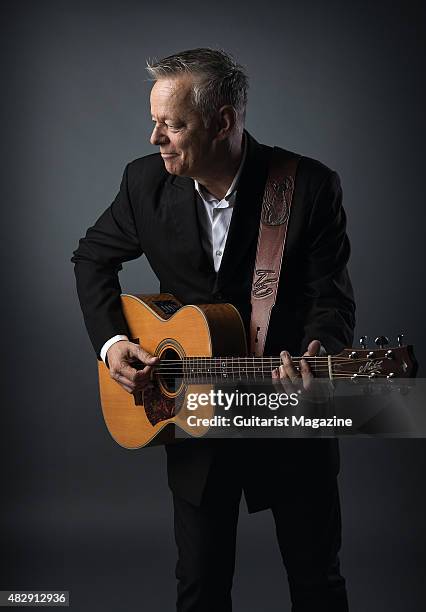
155, 213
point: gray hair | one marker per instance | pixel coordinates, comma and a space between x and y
219, 79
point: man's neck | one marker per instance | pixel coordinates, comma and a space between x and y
223, 173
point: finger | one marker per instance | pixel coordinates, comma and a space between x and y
124, 383
126, 375
121, 376
138, 384
126, 388
288, 365
306, 373
143, 355
276, 376
144, 376
280, 378
125, 370
285, 381
313, 349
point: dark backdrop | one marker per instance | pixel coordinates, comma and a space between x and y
341, 82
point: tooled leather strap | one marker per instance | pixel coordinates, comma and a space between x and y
272, 235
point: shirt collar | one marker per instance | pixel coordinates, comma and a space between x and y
208, 197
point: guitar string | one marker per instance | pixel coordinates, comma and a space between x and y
333, 358
169, 370
235, 368
249, 371
264, 359
240, 371
267, 357
335, 375
246, 364
198, 365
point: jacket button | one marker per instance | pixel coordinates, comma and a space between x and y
219, 296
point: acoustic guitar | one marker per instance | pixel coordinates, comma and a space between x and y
200, 346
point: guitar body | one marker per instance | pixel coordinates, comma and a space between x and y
165, 328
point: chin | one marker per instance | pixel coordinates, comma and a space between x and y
174, 168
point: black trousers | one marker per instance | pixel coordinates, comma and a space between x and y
308, 528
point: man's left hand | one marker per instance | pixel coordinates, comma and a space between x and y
291, 378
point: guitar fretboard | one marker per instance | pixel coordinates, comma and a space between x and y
211, 369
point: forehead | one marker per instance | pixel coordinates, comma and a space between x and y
172, 95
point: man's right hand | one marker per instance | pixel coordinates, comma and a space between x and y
120, 356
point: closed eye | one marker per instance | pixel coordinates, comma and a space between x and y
174, 128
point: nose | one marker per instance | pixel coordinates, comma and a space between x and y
158, 137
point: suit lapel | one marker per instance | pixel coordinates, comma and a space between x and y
180, 199
244, 226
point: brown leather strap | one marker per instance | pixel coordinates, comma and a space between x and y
274, 219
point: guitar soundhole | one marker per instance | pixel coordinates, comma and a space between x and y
171, 371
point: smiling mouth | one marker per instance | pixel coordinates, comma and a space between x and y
166, 155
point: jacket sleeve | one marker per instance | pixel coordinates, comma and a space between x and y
327, 289
112, 240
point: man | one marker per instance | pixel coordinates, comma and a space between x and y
194, 210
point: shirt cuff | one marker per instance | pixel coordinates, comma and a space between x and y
108, 344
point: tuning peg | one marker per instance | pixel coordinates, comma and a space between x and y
382, 341
400, 339
363, 342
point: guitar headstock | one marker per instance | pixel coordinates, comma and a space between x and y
379, 362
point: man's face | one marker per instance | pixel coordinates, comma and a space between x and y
185, 143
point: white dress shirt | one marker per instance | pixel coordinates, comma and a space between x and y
215, 223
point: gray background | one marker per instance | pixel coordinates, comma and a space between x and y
343, 83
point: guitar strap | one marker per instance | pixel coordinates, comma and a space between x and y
274, 218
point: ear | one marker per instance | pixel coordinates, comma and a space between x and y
226, 121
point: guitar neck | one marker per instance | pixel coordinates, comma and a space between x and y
349, 364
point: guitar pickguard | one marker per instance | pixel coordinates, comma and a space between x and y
157, 406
